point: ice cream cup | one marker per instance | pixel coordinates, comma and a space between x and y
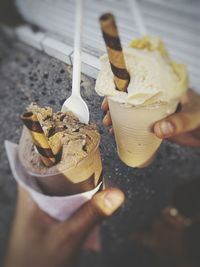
84, 176
136, 143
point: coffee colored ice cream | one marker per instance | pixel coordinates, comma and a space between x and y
78, 144
154, 76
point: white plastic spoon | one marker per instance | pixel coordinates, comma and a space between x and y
75, 103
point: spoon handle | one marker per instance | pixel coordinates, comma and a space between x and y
77, 48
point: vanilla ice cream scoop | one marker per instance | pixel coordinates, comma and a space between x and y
154, 77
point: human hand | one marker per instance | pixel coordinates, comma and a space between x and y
182, 127
107, 121
39, 240
174, 234
165, 239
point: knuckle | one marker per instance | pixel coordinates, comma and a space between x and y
180, 122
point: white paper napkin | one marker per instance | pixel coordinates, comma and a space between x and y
60, 208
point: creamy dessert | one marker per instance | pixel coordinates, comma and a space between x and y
154, 76
154, 90
77, 167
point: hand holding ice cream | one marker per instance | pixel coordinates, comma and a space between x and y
59, 213
182, 127
154, 90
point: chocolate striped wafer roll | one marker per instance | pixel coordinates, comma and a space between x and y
39, 139
114, 49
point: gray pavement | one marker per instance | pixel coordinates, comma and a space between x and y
28, 75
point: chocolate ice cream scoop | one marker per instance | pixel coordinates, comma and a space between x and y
79, 168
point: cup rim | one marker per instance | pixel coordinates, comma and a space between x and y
149, 106
31, 173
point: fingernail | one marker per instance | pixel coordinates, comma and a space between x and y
113, 200
166, 128
103, 114
111, 132
103, 102
105, 119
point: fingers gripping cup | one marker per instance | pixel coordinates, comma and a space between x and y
136, 143
156, 85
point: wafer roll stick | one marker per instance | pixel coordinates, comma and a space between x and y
30, 120
114, 49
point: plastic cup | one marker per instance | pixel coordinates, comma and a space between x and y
136, 143
85, 176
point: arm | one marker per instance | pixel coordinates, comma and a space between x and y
39, 240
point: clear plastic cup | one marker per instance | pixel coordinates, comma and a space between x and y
85, 176
136, 143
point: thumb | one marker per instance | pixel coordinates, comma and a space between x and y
102, 205
177, 124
